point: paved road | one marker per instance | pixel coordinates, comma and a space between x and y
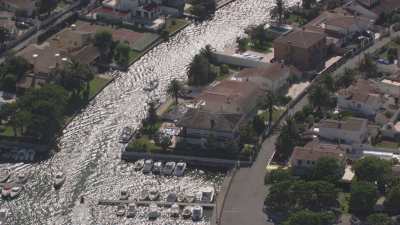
244, 202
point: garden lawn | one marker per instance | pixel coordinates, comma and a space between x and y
275, 114
388, 144
8, 131
96, 85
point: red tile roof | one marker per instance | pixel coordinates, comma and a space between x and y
109, 11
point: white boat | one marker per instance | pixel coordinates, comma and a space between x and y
3, 216
180, 197
197, 213
154, 212
187, 212
174, 210
180, 169
158, 167
21, 178
171, 197
124, 195
6, 190
139, 165
206, 194
152, 85
153, 194
190, 198
59, 180
4, 175
120, 210
126, 135
148, 165
131, 211
169, 168
144, 195
15, 191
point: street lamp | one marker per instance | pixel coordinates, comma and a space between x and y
34, 56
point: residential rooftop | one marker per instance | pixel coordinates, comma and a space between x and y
362, 91
314, 151
301, 38
272, 72
350, 124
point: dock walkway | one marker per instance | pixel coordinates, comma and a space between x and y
159, 203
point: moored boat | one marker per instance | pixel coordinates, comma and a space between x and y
59, 180
144, 195
169, 168
197, 213
157, 167
131, 211
148, 165
15, 191
187, 212
171, 197
6, 190
180, 169
154, 212
121, 209
139, 164
174, 210
154, 194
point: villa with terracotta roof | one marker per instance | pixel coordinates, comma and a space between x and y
362, 97
349, 131
271, 77
304, 49
27, 6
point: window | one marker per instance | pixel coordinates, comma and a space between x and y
299, 162
308, 162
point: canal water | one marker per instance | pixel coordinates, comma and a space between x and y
90, 152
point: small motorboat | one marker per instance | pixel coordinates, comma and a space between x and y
144, 195
59, 180
4, 175
138, 165
3, 216
148, 165
121, 210
169, 168
126, 135
21, 178
15, 191
82, 200
131, 211
154, 194
180, 169
190, 198
174, 210
152, 85
206, 194
158, 167
124, 195
6, 190
187, 212
180, 198
154, 212
197, 213
171, 197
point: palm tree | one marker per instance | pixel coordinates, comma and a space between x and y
319, 97
278, 11
173, 89
269, 105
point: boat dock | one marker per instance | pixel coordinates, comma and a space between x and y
159, 203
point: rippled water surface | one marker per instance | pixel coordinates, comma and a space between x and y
90, 152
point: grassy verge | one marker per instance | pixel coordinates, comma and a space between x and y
275, 114
343, 200
7, 131
174, 24
96, 85
387, 144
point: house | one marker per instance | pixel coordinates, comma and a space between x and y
362, 97
369, 3
27, 6
304, 49
307, 156
390, 85
229, 96
110, 14
339, 26
271, 77
198, 125
349, 131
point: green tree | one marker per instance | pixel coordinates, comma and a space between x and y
329, 82
23, 119
392, 203
368, 67
269, 102
379, 219
165, 142
203, 9
121, 54
279, 198
46, 6
174, 88
372, 169
363, 197
16, 65
308, 3
258, 124
314, 195
279, 175
152, 116
320, 97
278, 11
8, 83
103, 40
346, 79
199, 71
242, 43
306, 217
8, 112
328, 169
4, 34
392, 54
287, 139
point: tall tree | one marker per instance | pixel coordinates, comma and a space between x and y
103, 40
174, 88
198, 71
328, 169
368, 67
287, 139
392, 203
319, 97
4, 35
278, 11
373, 169
379, 219
308, 3
363, 197
306, 217
270, 101
46, 6
122, 52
